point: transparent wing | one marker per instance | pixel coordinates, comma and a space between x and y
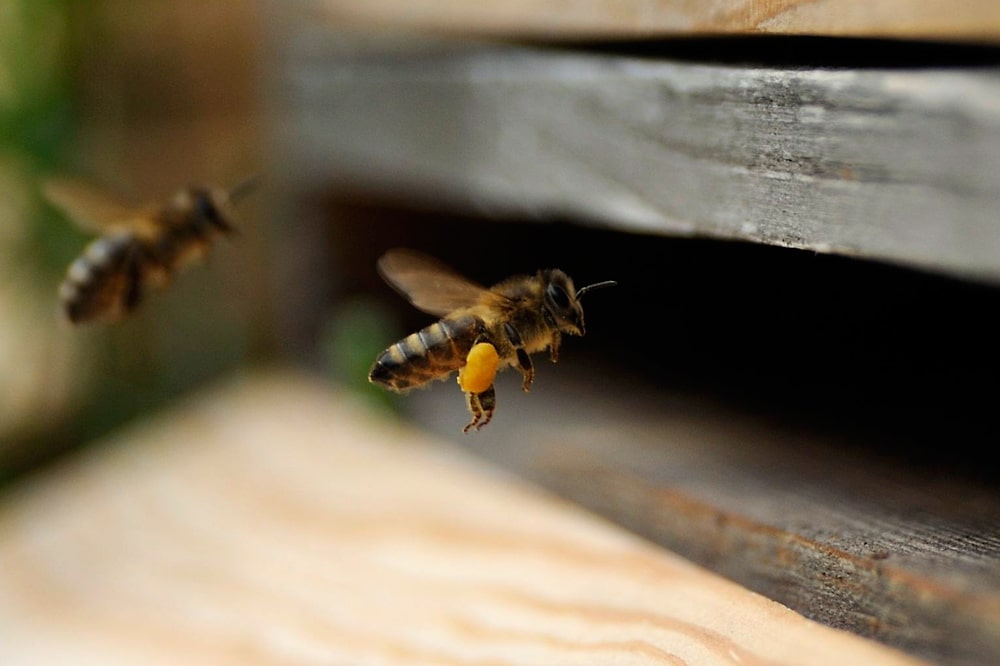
91, 208
427, 283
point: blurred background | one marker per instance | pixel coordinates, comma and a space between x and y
141, 99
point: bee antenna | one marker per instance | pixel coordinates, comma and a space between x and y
244, 187
596, 285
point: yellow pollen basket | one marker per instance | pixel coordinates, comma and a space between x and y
480, 368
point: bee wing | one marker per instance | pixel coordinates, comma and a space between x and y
427, 283
91, 208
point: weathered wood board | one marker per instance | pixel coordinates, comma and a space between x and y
849, 539
893, 164
275, 521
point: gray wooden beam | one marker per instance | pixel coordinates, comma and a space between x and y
901, 556
889, 164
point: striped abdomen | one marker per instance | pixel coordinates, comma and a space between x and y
431, 353
106, 281
112, 275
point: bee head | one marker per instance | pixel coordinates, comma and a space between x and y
562, 307
210, 210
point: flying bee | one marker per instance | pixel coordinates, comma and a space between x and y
138, 248
481, 331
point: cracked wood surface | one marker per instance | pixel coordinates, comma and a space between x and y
888, 164
970, 19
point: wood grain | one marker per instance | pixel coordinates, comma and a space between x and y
274, 521
909, 557
969, 19
898, 165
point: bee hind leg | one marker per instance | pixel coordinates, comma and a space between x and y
481, 406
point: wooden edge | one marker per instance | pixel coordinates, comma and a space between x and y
972, 20
895, 166
273, 520
800, 516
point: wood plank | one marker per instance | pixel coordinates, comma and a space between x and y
853, 540
276, 521
924, 19
898, 165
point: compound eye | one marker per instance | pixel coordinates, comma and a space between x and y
558, 296
206, 209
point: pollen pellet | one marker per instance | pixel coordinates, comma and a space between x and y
480, 368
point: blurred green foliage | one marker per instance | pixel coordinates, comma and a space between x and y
36, 110
37, 120
354, 337
38, 115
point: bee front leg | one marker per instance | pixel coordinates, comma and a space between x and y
527, 369
554, 347
481, 406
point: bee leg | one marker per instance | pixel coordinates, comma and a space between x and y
481, 406
133, 271
523, 360
554, 347
527, 369
472, 402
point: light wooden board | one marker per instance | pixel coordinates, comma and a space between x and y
898, 165
274, 521
968, 19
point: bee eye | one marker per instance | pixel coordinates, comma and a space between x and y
557, 295
206, 208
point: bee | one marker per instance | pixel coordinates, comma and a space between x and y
481, 330
138, 248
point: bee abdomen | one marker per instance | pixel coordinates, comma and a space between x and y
105, 281
431, 353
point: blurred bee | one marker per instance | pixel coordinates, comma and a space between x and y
139, 248
481, 330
